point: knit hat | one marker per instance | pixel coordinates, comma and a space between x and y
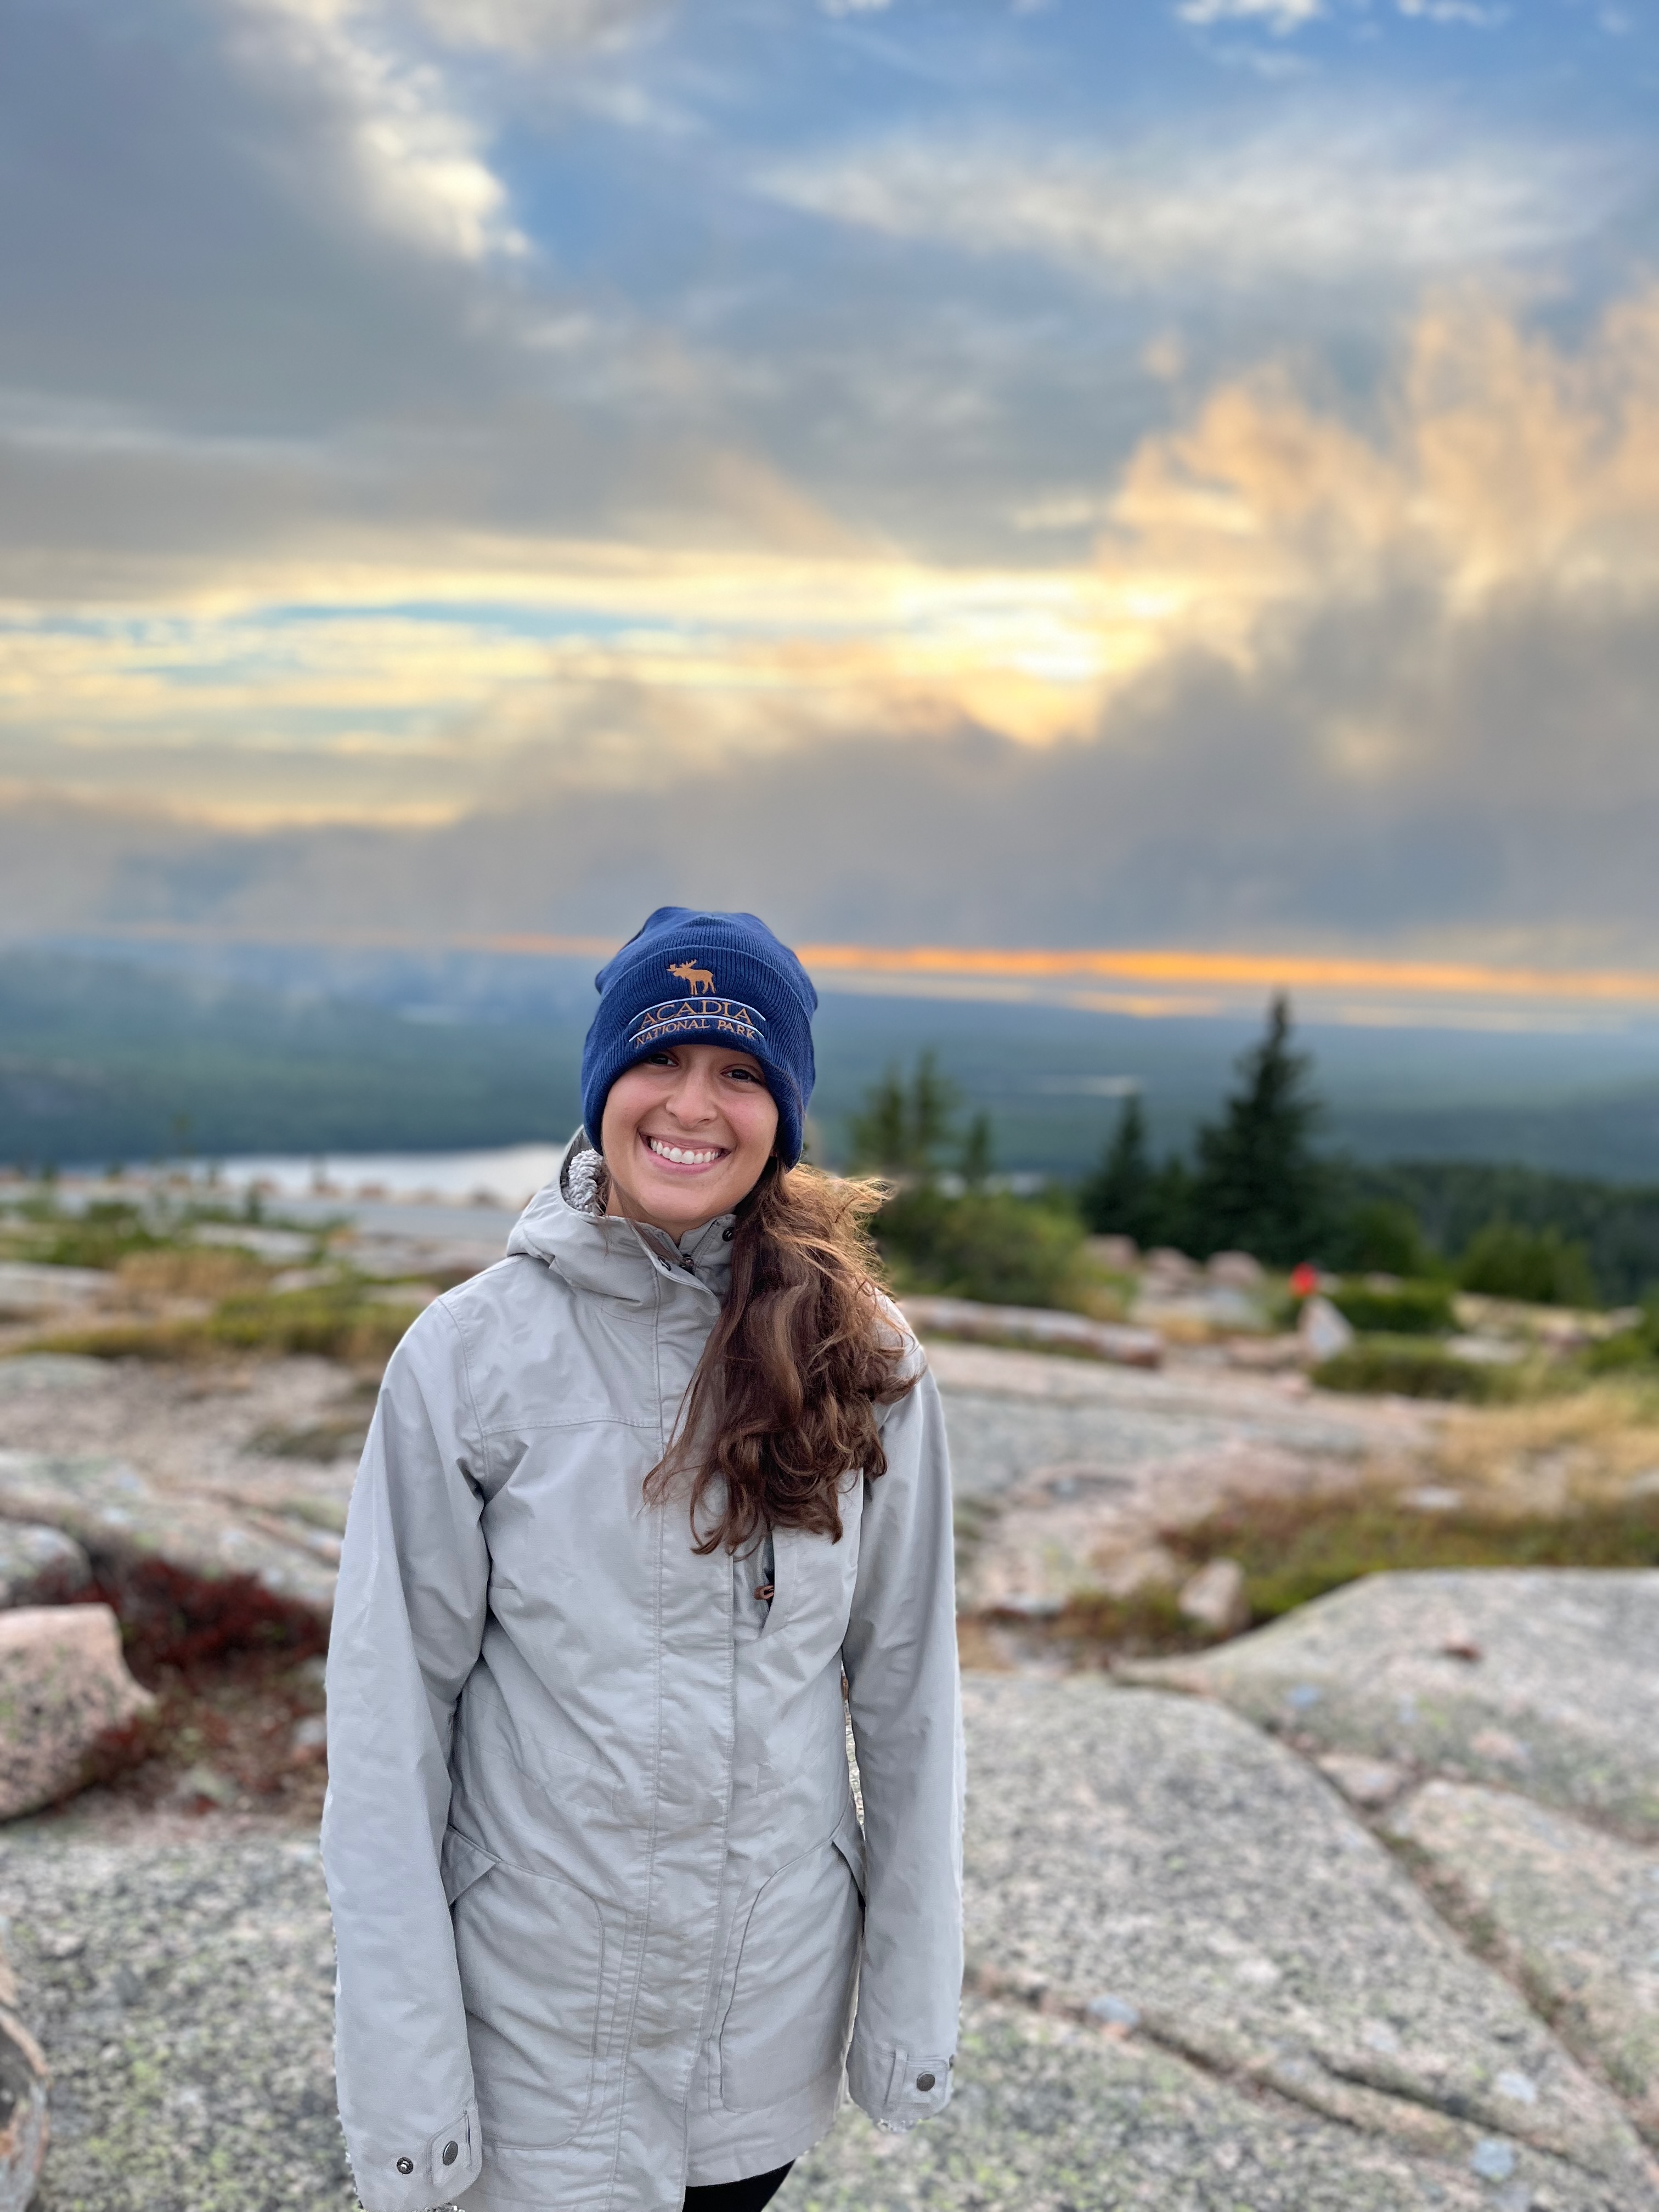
707, 979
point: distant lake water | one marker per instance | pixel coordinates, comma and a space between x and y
502, 1179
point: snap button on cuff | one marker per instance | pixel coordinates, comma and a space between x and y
405, 2166
924, 2080
452, 2152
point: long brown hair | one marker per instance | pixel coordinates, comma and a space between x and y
782, 1410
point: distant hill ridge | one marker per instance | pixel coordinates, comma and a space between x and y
103, 1058
100, 1062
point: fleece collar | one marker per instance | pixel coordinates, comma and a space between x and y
565, 1227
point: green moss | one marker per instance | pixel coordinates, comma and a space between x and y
1293, 1551
335, 1321
128, 1340
1150, 1620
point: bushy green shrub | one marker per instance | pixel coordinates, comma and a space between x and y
1414, 1367
1379, 1235
1617, 1223
1631, 1351
108, 1232
1413, 1310
1506, 1260
985, 1244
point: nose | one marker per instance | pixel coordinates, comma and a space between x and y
692, 1099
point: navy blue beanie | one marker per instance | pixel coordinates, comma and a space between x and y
707, 979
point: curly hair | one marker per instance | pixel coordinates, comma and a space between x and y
781, 1411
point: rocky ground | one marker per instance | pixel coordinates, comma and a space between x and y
1199, 1978
1361, 1910
1067, 1472
246, 1466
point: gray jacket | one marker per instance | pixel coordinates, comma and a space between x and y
602, 1899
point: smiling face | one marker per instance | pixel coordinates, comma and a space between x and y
685, 1135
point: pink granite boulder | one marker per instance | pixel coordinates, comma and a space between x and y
66, 1701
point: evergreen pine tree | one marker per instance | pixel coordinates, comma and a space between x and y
881, 1134
1258, 1188
903, 1128
1118, 1198
976, 1153
1170, 1205
933, 1103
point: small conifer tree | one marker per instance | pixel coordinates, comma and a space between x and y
1119, 1199
881, 1132
1169, 1210
904, 1127
933, 1103
976, 1153
1258, 1186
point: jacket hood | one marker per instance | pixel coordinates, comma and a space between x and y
566, 1228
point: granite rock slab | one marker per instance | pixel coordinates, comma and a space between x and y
1012, 1412
1154, 1862
124, 1521
57, 1371
1573, 1913
1065, 1532
1540, 1681
28, 1291
183, 1996
1064, 1470
1045, 1331
40, 1566
1050, 2116
182, 1992
64, 1692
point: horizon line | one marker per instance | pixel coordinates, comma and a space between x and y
1163, 965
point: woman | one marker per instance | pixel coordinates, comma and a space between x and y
635, 1500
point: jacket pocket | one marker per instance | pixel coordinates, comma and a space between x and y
787, 2026
531, 1951
848, 1840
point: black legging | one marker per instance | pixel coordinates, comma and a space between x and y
737, 2196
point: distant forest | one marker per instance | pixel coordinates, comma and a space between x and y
100, 1064
1256, 1183
103, 1063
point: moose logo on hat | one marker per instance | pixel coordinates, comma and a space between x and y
693, 977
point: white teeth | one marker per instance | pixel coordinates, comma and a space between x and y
684, 1158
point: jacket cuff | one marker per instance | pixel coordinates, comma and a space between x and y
423, 2174
896, 2085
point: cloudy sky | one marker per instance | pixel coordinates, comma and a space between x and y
984, 472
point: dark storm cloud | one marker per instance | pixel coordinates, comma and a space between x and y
1518, 805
